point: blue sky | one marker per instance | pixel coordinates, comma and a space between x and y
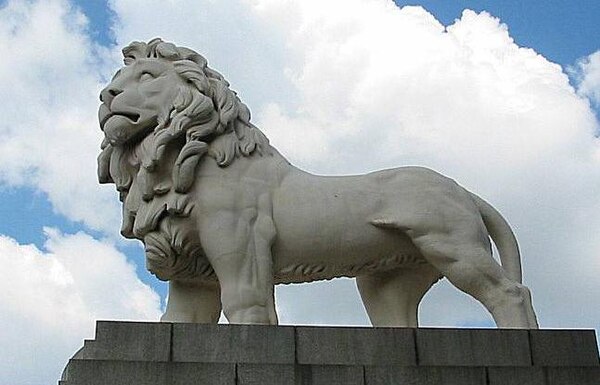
522, 133
562, 31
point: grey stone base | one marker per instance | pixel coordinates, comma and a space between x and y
131, 353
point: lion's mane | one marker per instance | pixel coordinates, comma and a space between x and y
154, 176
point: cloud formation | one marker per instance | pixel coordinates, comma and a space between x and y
49, 139
227, 33
587, 72
51, 74
51, 299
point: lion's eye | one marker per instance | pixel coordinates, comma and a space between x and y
146, 76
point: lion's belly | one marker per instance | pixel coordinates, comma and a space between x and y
324, 231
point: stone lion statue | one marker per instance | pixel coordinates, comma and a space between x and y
224, 216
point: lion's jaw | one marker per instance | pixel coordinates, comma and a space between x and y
131, 103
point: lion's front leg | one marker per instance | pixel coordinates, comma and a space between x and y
238, 246
193, 302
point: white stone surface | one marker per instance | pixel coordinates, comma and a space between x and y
224, 217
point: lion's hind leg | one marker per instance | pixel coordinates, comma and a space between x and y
392, 297
462, 257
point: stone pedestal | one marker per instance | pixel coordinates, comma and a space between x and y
129, 353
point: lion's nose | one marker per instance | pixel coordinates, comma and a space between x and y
109, 93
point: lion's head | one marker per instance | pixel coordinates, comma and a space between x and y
161, 114
137, 97
169, 92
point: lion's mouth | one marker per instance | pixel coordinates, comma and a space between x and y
132, 116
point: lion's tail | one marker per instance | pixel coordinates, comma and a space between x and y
503, 237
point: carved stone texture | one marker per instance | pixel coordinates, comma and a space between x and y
224, 216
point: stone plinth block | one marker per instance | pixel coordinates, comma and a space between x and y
355, 346
89, 372
134, 353
473, 347
233, 343
564, 348
519, 375
266, 374
422, 375
290, 374
331, 374
583, 375
191, 373
104, 372
130, 341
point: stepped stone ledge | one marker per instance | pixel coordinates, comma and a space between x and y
136, 353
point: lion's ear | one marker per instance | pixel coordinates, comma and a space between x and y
135, 50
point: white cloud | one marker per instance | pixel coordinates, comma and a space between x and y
225, 32
49, 138
50, 74
587, 71
394, 75
51, 298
